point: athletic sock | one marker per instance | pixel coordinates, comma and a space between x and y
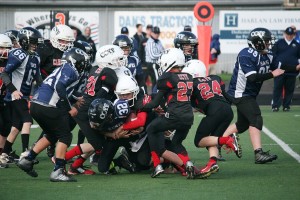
76, 151
155, 158
212, 160
32, 155
78, 162
184, 157
7, 147
59, 163
258, 150
222, 140
25, 141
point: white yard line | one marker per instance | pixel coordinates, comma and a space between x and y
282, 144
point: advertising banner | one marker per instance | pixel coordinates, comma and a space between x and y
77, 20
236, 25
169, 22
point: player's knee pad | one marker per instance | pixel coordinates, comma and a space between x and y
258, 122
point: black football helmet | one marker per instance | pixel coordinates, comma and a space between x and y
123, 41
183, 38
100, 112
77, 57
88, 49
260, 39
29, 36
12, 34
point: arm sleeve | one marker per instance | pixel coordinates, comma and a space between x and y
139, 122
10, 86
155, 102
259, 77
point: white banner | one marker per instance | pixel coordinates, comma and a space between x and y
169, 22
236, 25
41, 21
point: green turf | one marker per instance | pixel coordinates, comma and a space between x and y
237, 178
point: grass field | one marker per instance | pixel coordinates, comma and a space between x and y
237, 178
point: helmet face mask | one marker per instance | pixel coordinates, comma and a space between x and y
169, 59
29, 38
79, 59
13, 35
5, 46
124, 42
111, 56
186, 41
62, 37
128, 89
260, 39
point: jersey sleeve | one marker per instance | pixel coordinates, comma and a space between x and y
248, 59
164, 83
108, 78
15, 59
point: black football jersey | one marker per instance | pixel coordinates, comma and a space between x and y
50, 58
98, 78
177, 87
206, 90
2, 85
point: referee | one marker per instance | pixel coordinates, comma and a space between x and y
153, 50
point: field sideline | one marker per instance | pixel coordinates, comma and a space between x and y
237, 178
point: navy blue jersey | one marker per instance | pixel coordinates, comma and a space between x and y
206, 90
249, 62
22, 69
47, 93
134, 64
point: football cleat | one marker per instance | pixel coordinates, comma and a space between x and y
25, 154
232, 143
190, 170
60, 175
207, 171
123, 162
157, 171
4, 160
27, 166
13, 157
264, 157
80, 170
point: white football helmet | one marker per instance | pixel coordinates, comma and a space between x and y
5, 46
127, 85
111, 56
196, 68
170, 58
62, 37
